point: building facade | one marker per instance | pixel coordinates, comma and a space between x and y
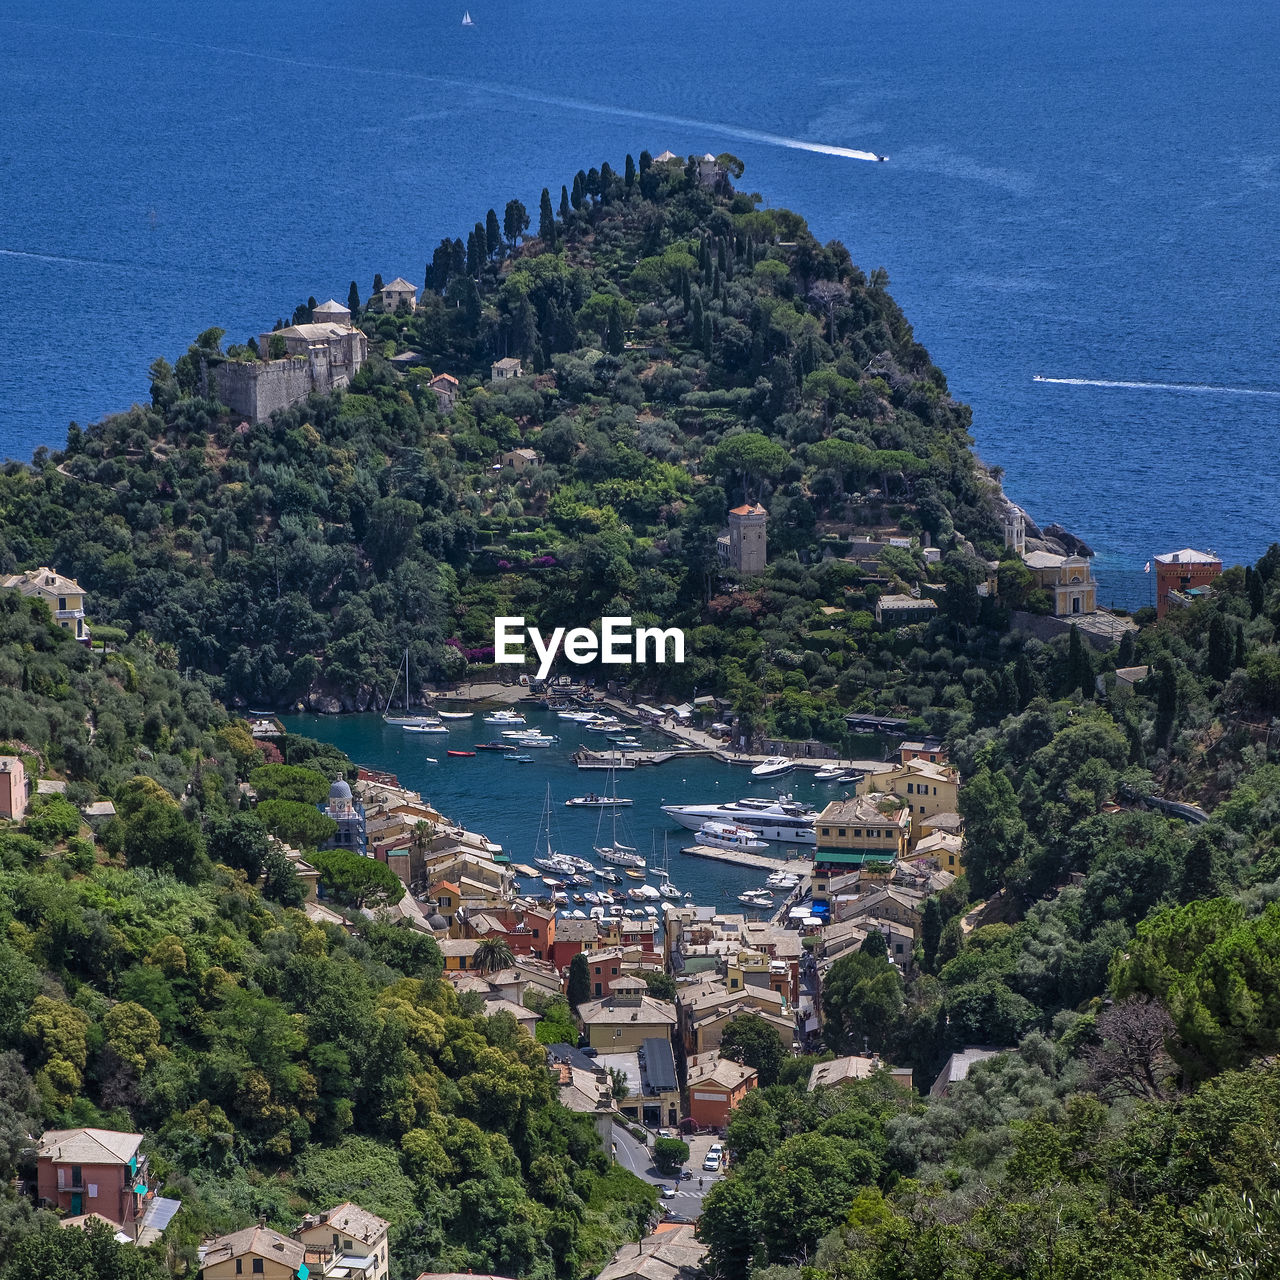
855, 834
348, 813
1067, 579
745, 547
398, 292
1182, 571
64, 597
93, 1171
13, 788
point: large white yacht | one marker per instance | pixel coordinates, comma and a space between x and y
782, 819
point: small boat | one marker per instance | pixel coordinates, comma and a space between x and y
536, 742
882, 159
459, 753
633, 873
425, 728
728, 835
1038, 377
495, 746
580, 900
605, 874
774, 767
756, 898
829, 773
593, 801
514, 759
466, 19
432, 760
455, 715
552, 883
511, 719
627, 744
651, 912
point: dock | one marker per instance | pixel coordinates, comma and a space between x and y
585, 758
741, 858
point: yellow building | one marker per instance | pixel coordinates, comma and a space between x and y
356, 1239
1067, 579
944, 849
255, 1251
63, 596
924, 787
626, 1018
857, 834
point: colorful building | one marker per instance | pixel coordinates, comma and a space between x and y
716, 1086
13, 788
1179, 572
1067, 579
93, 1171
856, 834
64, 597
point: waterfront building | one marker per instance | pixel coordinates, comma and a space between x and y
1179, 573
1015, 531
64, 596
926, 789
1067, 579
856, 834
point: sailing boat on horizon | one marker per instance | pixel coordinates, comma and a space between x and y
466, 19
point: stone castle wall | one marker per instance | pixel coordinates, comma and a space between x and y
255, 390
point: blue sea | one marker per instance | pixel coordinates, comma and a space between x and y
1086, 191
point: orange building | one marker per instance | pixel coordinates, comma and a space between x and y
1181, 571
716, 1086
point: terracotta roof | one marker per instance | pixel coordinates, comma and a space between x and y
749, 509
1188, 556
713, 1069
443, 377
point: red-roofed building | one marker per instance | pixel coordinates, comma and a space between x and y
744, 547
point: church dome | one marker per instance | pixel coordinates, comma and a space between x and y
340, 790
436, 922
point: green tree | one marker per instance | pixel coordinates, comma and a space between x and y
79, 1253
861, 1001
301, 825
238, 841
669, 1154
515, 222
492, 234
492, 955
546, 221
356, 881
353, 302
752, 1041
289, 782
579, 986
1218, 653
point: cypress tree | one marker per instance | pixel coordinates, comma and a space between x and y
353, 301
616, 339
686, 290
1238, 661
475, 252
564, 205
546, 220
695, 320
492, 233
311, 309
722, 257
1079, 667
377, 282
715, 282
646, 162
1253, 590
931, 932
1218, 653
606, 181
1027, 680
1127, 650
482, 245
1166, 702
579, 193
458, 258
708, 335
630, 174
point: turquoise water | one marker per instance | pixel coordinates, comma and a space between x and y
505, 801
1085, 191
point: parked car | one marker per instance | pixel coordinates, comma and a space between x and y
670, 1215
589, 1052
716, 1149
667, 1193
712, 1163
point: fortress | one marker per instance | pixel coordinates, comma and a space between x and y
319, 357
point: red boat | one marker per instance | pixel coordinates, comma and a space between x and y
459, 753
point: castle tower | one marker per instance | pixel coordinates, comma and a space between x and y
1015, 530
748, 552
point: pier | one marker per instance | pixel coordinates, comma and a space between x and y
800, 865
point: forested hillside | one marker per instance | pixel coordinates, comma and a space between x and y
160, 979
690, 349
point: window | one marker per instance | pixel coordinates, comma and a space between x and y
93, 1191
239, 1266
77, 1176
909, 788
62, 602
614, 971
840, 832
898, 949
258, 1267
826, 831
857, 833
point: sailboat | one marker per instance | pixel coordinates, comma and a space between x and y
543, 853
621, 855
405, 720
466, 19
665, 887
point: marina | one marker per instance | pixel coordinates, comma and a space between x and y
758, 861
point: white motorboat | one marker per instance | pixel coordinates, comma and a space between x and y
728, 835
611, 877
425, 728
783, 819
593, 801
829, 773
571, 713
455, 715
756, 898
774, 767
605, 724
508, 718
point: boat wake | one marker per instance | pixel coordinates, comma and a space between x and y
54, 257
1202, 388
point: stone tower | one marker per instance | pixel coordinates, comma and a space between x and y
748, 552
1015, 530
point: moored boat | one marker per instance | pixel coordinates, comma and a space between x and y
459, 753
774, 767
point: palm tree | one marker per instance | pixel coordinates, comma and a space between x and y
493, 954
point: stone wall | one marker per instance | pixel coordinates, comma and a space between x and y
255, 390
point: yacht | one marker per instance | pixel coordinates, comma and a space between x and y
519, 759
508, 718
774, 767
634, 872
603, 724
627, 744
727, 835
405, 721
572, 713
782, 819
536, 740
621, 855
760, 898
593, 801
829, 773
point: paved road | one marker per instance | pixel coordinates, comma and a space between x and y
637, 1157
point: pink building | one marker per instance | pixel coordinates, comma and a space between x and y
13, 788
93, 1171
